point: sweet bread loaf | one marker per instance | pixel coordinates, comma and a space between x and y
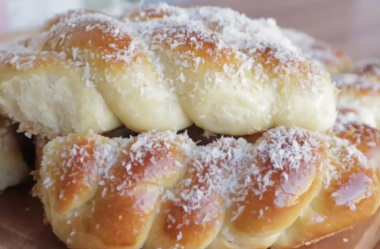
333, 60
95, 72
160, 190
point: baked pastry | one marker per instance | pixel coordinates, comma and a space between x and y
369, 68
232, 85
359, 94
333, 60
13, 169
159, 190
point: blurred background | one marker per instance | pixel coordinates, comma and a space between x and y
352, 25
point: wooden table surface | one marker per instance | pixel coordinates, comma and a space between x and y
353, 25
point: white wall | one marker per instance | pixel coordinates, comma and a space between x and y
21, 14
18, 15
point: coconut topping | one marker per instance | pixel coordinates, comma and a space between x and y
235, 31
172, 60
349, 124
229, 168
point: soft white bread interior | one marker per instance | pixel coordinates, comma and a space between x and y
47, 94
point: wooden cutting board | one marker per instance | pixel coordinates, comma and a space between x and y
21, 221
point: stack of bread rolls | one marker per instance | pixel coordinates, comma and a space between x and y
179, 128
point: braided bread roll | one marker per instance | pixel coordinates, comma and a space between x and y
359, 94
333, 60
160, 190
94, 72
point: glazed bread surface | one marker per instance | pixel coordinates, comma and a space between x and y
159, 190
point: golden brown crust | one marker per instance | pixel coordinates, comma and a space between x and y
78, 182
228, 193
366, 138
86, 41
